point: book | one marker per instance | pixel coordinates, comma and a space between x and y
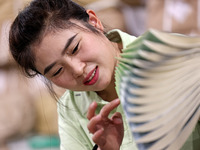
158, 83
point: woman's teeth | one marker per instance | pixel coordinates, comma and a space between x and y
92, 76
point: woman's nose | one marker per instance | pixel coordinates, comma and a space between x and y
76, 67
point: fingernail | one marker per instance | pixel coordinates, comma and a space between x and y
117, 120
117, 100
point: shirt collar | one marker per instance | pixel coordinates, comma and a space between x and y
118, 36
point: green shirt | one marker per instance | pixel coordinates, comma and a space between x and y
73, 122
72, 110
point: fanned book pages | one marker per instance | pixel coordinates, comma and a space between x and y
158, 83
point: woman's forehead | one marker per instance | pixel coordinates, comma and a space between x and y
68, 25
55, 36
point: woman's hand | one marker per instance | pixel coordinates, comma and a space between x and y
107, 132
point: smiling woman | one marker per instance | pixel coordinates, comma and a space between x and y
65, 43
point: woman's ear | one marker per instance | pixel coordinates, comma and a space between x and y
94, 20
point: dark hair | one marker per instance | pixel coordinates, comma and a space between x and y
36, 19
31, 24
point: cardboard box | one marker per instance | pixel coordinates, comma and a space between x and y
180, 16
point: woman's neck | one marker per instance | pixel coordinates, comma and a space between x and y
109, 93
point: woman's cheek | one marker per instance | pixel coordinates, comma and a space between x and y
58, 81
65, 82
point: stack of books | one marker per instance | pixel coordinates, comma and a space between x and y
158, 83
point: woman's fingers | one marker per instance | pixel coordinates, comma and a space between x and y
96, 139
118, 121
105, 111
117, 118
94, 124
104, 128
91, 110
96, 121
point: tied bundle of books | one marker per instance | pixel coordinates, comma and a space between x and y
158, 83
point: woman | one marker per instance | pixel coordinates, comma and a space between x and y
63, 42
67, 45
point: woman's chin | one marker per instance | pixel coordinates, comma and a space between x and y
103, 86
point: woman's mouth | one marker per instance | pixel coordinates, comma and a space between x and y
92, 77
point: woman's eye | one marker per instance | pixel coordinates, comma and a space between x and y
75, 49
57, 72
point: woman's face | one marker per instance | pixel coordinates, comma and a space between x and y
77, 60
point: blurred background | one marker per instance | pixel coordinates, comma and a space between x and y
28, 117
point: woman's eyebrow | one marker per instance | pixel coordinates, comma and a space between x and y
49, 67
69, 41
